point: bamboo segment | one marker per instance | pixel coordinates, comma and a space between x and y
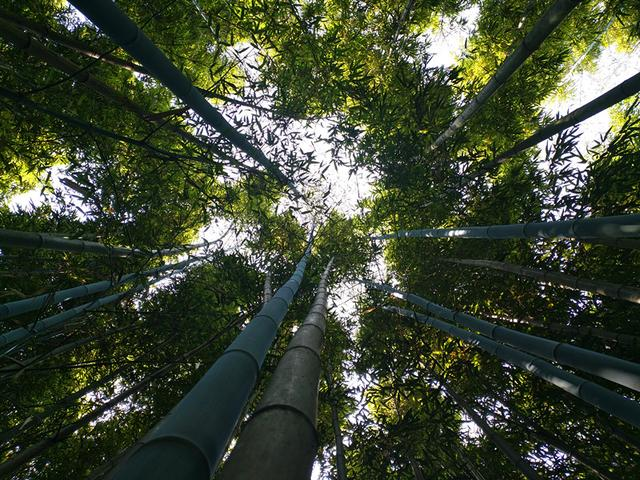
540, 31
108, 17
613, 290
287, 412
267, 294
612, 368
189, 442
618, 226
625, 409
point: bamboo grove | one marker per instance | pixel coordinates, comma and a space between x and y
294, 240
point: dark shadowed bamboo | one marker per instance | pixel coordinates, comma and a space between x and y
111, 20
551, 18
606, 400
629, 87
59, 319
189, 442
613, 290
498, 440
18, 307
279, 441
618, 226
267, 293
48, 241
612, 368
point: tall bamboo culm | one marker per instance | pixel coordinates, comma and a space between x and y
613, 290
615, 369
618, 226
189, 442
279, 441
554, 15
111, 20
606, 400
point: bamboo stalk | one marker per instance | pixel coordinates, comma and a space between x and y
618, 226
109, 18
602, 398
615, 369
190, 441
288, 409
551, 18
613, 290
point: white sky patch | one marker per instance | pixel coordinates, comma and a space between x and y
448, 42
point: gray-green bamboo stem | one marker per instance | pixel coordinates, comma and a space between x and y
612, 368
613, 290
190, 441
341, 467
551, 18
619, 226
497, 439
629, 87
18, 307
582, 331
109, 18
602, 398
286, 415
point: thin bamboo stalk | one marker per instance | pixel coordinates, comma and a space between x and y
551, 18
18, 307
613, 290
267, 293
602, 398
618, 226
109, 18
190, 441
629, 87
498, 440
612, 368
287, 412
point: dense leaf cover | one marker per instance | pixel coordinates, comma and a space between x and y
331, 91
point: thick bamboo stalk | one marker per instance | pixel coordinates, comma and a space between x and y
612, 368
108, 17
618, 226
287, 412
23, 456
629, 87
613, 290
18, 307
604, 399
497, 439
551, 18
190, 441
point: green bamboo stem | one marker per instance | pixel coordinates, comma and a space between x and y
618, 226
19, 307
267, 293
551, 18
108, 17
287, 412
190, 441
612, 368
629, 87
613, 290
602, 398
